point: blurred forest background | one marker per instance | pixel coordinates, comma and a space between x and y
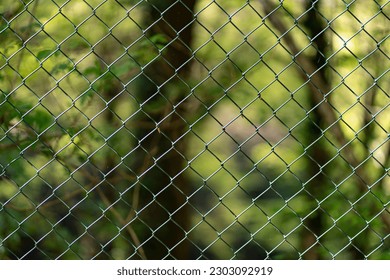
189, 129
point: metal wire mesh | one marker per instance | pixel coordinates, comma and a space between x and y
188, 129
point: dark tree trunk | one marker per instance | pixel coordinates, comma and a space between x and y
318, 185
163, 190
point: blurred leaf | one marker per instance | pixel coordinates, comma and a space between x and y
86, 96
91, 71
21, 107
39, 120
72, 131
10, 109
124, 68
43, 54
66, 66
45, 150
159, 40
95, 70
31, 27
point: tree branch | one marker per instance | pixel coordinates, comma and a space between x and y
319, 88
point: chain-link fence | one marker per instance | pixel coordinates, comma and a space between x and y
184, 129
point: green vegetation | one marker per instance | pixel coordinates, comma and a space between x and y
209, 129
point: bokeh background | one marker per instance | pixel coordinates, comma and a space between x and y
194, 129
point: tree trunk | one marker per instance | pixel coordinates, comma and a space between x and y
163, 189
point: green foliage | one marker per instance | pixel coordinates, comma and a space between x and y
73, 93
